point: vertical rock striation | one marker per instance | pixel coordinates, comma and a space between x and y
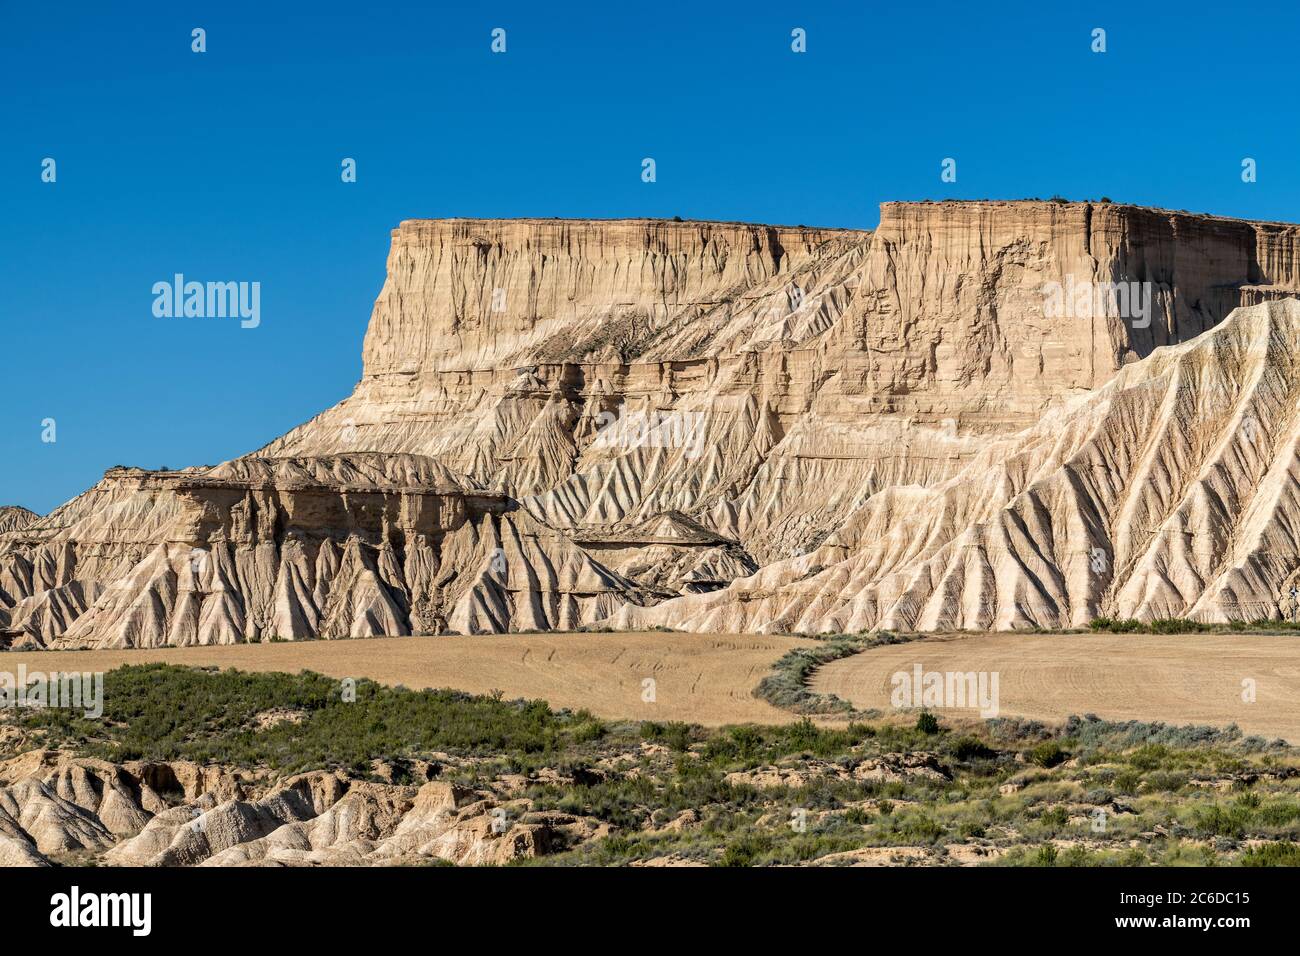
559, 421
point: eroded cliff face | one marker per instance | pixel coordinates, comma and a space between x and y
808, 369
1171, 491
288, 549
768, 392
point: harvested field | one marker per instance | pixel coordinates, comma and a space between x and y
1182, 679
706, 679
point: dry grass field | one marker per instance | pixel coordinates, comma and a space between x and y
706, 679
709, 679
1180, 679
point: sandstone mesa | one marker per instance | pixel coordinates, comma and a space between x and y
732, 427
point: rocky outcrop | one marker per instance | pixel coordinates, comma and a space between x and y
15, 518
54, 807
261, 549
563, 422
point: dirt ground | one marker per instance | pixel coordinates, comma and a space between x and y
702, 678
1182, 679
709, 679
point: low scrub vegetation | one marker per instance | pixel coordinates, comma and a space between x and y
1182, 625
1004, 792
787, 686
161, 712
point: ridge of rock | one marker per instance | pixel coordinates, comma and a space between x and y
562, 422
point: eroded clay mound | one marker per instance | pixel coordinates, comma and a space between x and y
15, 518
56, 808
1171, 491
346, 546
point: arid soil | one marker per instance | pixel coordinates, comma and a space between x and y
709, 679
706, 679
1179, 679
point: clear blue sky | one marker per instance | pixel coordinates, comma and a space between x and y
225, 165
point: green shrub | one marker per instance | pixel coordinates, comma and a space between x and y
747, 851
1165, 781
163, 712
1047, 754
1165, 625
917, 827
927, 723
971, 748
674, 735
1055, 817
1148, 756
1272, 854
787, 686
1175, 625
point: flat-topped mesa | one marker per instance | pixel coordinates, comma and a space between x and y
838, 362
941, 297
468, 294
559, 417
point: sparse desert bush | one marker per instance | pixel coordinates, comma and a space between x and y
1054, 817
1047, 754
1175, 625
163, 712
970, 748
1112, 625
1166, 781
747, 850
675, 735
1015, 729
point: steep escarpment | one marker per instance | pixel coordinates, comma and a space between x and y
1171, 491
957, 313
498, 346
622, 412
766, 381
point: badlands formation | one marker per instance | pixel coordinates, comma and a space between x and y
179, 813
730, 427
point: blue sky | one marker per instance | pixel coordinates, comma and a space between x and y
225, 165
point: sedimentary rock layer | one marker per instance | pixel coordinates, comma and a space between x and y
618, 413
1171, 491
